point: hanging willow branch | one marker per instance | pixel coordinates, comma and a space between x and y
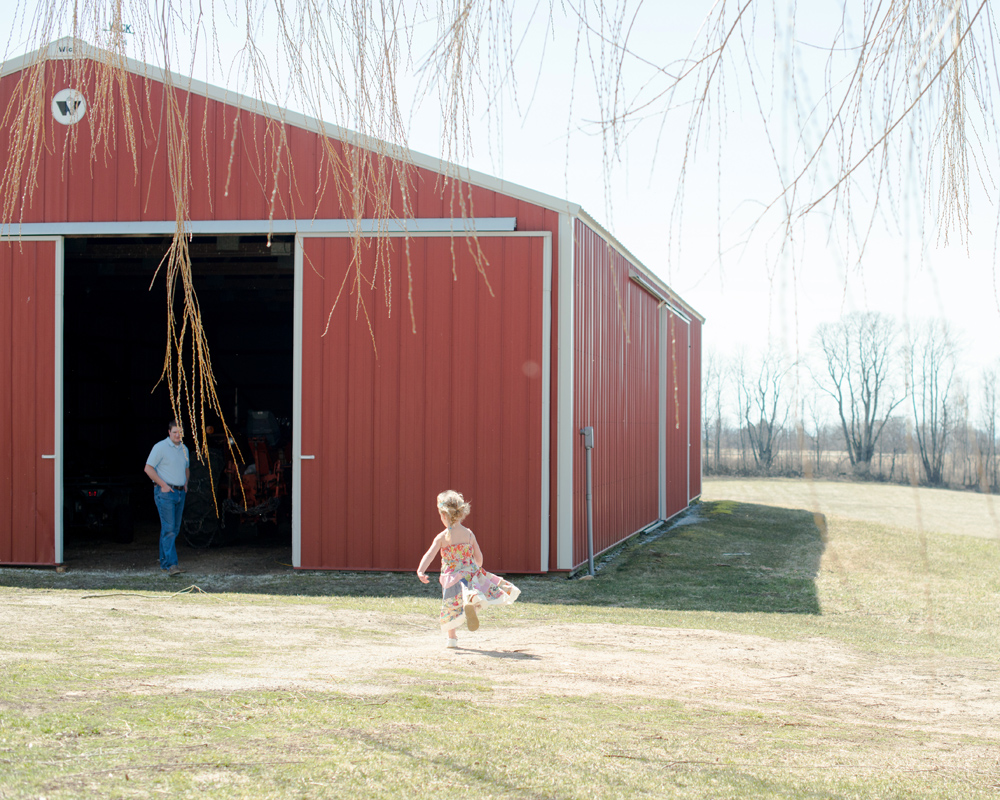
364, 175
905, 101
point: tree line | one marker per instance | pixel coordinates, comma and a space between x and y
871, 399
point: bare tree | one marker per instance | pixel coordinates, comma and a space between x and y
763, 409
963, 440
713, 388
813, 413
857, 353
895, 439
933, 361
989, 479
739, 368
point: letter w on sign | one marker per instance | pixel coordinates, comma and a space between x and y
68, 107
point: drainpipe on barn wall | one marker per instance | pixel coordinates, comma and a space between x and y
588, 443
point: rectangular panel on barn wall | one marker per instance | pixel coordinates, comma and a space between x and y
695, 390
28, 411
678, 414
421, 371
616, 391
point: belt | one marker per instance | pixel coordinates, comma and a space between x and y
176, 488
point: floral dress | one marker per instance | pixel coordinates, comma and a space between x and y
465, 583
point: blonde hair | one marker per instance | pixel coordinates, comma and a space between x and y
453, 506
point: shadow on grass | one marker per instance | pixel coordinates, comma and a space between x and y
721, 556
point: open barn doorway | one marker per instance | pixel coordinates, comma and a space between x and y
113, 354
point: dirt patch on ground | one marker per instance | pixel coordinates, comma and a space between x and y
306, 646
310, 647
927, 712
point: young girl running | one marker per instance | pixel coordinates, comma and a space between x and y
467, 586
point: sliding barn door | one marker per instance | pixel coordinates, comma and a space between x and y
28, 407
421, 370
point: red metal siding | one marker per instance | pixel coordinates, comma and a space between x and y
239, 161
455, 404
27, 407
76, 183
694, 445
616, 391
677, 414
308, 176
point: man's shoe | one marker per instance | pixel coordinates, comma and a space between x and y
175, 570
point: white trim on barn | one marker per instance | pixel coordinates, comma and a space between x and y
565, 435
299, 261
662, 410
60, 267
546, 522
448, 225
687, 492
546, 427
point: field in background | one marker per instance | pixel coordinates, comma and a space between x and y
964, 468
747, 651
917, 508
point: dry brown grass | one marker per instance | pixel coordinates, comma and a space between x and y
919, 508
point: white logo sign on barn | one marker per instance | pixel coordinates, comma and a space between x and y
69, 106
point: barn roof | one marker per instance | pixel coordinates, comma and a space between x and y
68, 48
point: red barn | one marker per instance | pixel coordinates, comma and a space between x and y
477, 374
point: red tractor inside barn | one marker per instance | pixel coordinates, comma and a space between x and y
244, 491
254, 491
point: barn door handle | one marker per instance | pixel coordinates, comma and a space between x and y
308, 458
45, 456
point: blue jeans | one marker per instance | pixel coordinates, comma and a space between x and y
171, 508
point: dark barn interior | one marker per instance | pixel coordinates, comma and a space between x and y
115, 335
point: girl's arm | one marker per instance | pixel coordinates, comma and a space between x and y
477, 554
426, 560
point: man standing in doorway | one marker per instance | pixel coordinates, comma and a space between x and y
168, 467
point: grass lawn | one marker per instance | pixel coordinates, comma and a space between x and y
919, 508
751, 652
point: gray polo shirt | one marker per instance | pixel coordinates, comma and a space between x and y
170, 461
